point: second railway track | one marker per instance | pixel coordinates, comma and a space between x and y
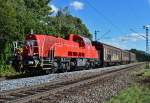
24, 95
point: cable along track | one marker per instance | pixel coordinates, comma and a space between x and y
24, 95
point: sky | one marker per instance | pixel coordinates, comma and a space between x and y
118, 22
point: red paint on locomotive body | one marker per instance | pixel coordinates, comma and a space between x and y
74, 46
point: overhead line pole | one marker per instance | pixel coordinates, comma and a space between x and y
96, 31
147, 31
146, 27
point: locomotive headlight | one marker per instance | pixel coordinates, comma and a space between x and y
30, 62
36, 60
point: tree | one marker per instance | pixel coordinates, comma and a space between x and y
64, 23
8, 26
18, 17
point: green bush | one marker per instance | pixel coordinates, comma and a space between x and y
7, 70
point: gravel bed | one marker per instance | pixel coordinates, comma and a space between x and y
7, 85
98, 92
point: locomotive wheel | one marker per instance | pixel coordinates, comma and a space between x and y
93, 65
48, 71
53, 69
87, 65
65, 67
68, 66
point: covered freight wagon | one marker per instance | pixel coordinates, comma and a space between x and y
132, 57
109, 55
125, 56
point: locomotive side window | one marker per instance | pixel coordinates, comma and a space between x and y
69, 53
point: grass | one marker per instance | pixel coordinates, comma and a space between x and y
136, 93
9, 72
146, 73
6, 70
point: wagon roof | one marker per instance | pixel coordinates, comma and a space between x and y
100, 43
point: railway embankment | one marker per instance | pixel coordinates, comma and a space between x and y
92, 86
99, 91
7, 85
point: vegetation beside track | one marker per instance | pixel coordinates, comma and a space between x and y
134, 94
138, 92
7, 70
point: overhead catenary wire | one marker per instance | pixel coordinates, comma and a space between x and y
104, 17
137, 33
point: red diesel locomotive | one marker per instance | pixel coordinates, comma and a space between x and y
51, 53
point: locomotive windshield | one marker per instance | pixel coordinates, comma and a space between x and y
87, 41
30, 43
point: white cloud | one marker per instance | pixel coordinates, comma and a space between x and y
116, 43
54, 9
77, 5
132, 37
125, 42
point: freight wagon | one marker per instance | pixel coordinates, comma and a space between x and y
132, 57
108, 55
125, 57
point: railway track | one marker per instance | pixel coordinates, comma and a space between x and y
24, 95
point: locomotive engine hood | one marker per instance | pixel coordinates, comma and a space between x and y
38, 45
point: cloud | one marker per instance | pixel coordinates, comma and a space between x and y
116, 43
77, 5
54, 9
125, 42
132, 37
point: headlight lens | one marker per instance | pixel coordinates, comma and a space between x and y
30, 62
